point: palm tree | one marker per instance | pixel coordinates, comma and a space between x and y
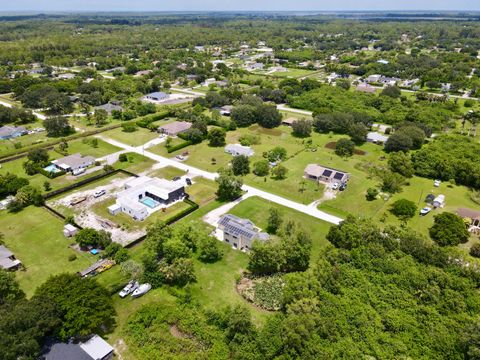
473, 117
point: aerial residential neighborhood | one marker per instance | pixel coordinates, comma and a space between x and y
226, 180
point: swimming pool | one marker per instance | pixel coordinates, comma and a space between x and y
51, 169
149, 202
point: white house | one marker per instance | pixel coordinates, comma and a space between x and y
69, 230
73, 163
439, 201
376, 137
237, 149
209, 82
145, 195
157, 96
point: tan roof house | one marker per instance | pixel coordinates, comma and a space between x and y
289, 121
175, 128
324, 174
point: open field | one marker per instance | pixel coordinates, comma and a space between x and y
167, 172
35, 236
136, 138
202, 190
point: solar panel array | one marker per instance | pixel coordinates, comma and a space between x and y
236, 229
338, 176
327, 173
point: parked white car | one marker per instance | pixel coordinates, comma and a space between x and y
335, 186
78, 171
128, 289
99, 193
437, 183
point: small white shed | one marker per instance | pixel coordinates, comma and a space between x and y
69, 230
114, 209
439, 201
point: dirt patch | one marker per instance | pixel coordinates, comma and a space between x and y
120, 347
264, 293
332, 145
176, 333
265, 131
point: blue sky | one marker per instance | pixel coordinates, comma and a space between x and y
225, 5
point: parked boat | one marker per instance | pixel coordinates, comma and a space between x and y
141, 290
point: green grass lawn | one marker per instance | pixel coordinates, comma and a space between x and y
35, 237
202, 191
167, 172
85, 148
7, 146
136, 163
136, 138
162, 150
295, 73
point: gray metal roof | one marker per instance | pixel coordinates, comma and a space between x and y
63, 351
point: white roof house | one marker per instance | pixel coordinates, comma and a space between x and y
7, 259
237, 149
97, 348
376, 137
144, 195
69, 230
74, 162
439, 201
157, 96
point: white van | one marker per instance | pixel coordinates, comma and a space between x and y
78, 171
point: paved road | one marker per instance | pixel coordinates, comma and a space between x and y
188, 91
251, 191
38, 115
284, 107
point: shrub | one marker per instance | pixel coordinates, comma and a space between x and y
123, 157
249, 139
449, 230
475, 250
344, 147
404, 209
129, 127
72, 257
261, 168
372, 194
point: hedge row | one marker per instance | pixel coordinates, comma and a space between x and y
148, 119
51, 175
171, 149
193, 206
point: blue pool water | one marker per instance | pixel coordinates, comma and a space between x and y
51, 168
149, 202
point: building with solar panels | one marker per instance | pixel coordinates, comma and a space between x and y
326, 175
240, 233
